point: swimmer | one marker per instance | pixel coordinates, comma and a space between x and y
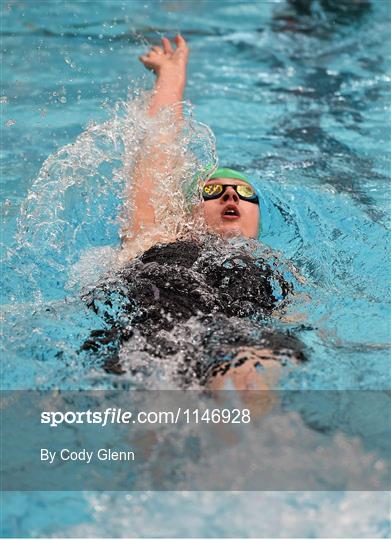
230, 205
180, 304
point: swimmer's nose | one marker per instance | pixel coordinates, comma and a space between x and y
230, 194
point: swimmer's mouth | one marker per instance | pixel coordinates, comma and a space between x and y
230, 212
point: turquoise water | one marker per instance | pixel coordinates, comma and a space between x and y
299, 101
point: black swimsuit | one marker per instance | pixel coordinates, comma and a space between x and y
190, 302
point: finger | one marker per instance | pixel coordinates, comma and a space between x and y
157, 49
180, 42
167, 45
145, 60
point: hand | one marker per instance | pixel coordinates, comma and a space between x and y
160, 59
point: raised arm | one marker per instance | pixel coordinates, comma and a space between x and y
169, 65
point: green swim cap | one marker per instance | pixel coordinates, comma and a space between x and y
223, 172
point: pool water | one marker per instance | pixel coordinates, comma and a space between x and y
297, 96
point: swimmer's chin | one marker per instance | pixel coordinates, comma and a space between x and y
228, 230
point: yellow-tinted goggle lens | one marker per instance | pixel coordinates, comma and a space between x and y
213, 189
245, 191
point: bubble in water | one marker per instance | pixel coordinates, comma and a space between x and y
3, 100
63, 99
7, 205
70, 63
10, 123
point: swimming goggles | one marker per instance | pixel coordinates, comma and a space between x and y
215, 191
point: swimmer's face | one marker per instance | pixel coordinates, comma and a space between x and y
229, 215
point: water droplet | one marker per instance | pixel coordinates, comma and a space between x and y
10, 123
63, 99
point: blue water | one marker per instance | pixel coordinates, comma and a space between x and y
300, 102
